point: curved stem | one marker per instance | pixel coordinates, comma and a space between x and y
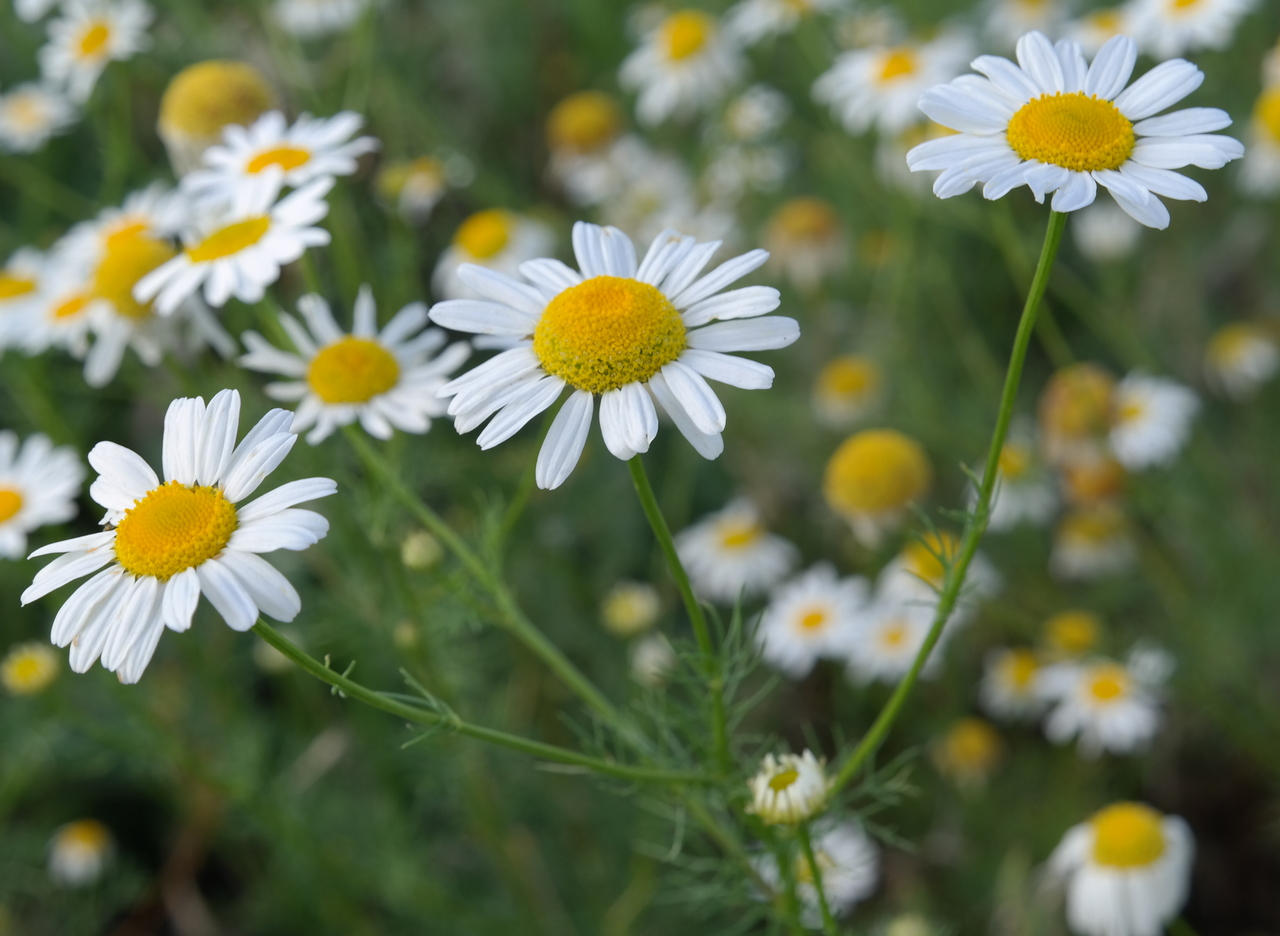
977, 523
806, 845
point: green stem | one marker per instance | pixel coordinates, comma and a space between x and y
448, 720
728, 843
711, 664
977, 523
806, 844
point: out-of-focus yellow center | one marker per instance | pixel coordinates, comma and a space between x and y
229, 240
1077, 401
898, 63
70, 308
1127, 835
813, 619
1130, 411
1108, 682
1105, 22
484, 234
1093, 481
28, 668
205, 97
849, 378
583, 122
1092, 528
352, 370
928, 557
27, 110
1232, 345
1072, 633
86, 836
894, 635
1076, 131
738, 534
800, 6
126, 261
805, 221
1019, 668
1184, 6
780, 781
685, 33
94, 39
607, 332
1266, 113
286, 157
1015, 460
174, 528
10, 503
123, 229
971, 746
874, 471
13, 285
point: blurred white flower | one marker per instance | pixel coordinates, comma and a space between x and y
757, 113
849, 865
652, 660
808, 617
1009, 19
752, 20
1104, 231
684, 65
1025, 492
79, 852
1151, 421
729, 552
86, 36
1096, 28
1104, 705
494, 239
847, 390
872, 480
1092, 543
29, 668
311, 19
1260, 170
1010, 687
203, 99
1241, 357
788, 790
1167, 28
30, 114
887, 636
39, 485
21, 279
630, 608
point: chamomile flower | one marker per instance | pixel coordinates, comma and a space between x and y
639, 336
79, 853
28, 668
1260, 170
806, 241
89, 34
1152, 420
968, 753
657, 193
849, 865
1009, 19
1054, 125
39, 485
1093, 482
789, 789
582, 132
809, 617
887, 635
880, 86
652, 659
309, 148
20, 282
1240, 358
917, 574
753, 20
1025, 492
30, 114
1175, 27
1127, 871
847, 390
684, 65
756, 114
1104, 232
168, 542
415, 186
156, 211
237, 250
204, 98
730, 553
1092, 543
872, 479
1071, 634
59, 314
495, 239
630, 608
1075, 414
311, 19
1010, 686
1098, 27
1105, 705
385, 379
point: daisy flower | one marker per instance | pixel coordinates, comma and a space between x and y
1127, 871
1240, 358
39, 485
806, 241
20, 282
581, 131
30, 114
1175, 27
1074, 414
386, 379
167, 543
810, 617
880, 86
730, 553
753, 20
237, 250
630, 608
684, 65
1024, 493
1070, 634
789, 789
79, 852
917, 574
58, 316
847, 390
204, 98
656, 193
1009, 19
1092, 543
1054, 125
495, 239
968, 753
848, 862
886, 637
757, 113
311, 148
157, 211
1010, 686
86, 36
1098, 27
413, 186
1152, 420
311, 19
1106, 706
651, 659
28, 668
1260, 170
1104, 232
872, 479
633, 334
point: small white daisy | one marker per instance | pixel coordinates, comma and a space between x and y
39, 485
756, 114
657, 192
917, 574
415, 186
1241, 357
639, 336
32, 113
806, 240
238, 250
873, 478
1098, 27
738, 168
788, 790
1054, 125
386, 379
630, 608
58, 317
1010, 688
29, 668
311, 19
753, 20
31, 10
1025, 492
1009, 19
167, 543
495, 239
848, 862
21, 280
1074, 414
1152, 420
968, 753
730, 553
810, 616
581, 133
1107, 706
847, 390
1105, 232
156, 211
204, 98
1175, 27
887, 635
1260, 170
684, 65
1092, 543
86, 36
651, 659
310, 148
1127, 871
79, 852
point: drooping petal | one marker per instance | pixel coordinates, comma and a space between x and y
1111, 68
565, 440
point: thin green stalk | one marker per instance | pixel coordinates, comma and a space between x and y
806, 845
977, 523
727, 842
710, 662
448, 720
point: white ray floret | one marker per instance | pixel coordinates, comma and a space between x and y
87, 36
729, 554
1107, 706
1176, 27
312, 19
684, 65
39, 485
809, 617
789, 789
1152, 420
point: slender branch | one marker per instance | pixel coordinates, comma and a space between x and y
977, 523
806, 845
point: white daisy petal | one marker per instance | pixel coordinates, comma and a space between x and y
228, 595
727, 369
1123, 187
88, 543
764, 334
492, 284
1208, 151
217, 436
1111, 68
565, 440
71, 617
1184, 122
696, 396
286, 495
1079, 190
686, 271
619, 253
551, 275
482, 318
1008, 77
1152, 212
290, 529
667, 249
364, 313
270, 591
181, 595
1163, 86
708, 445
588, 247
514, 416
719, 278
66, 568
1038, 59
967, 106
124, 469
747, 302
1165, 182
1074, 67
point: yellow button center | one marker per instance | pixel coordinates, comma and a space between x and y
10, 504
128, 259
484, 234
93, 39
286, 157
352, 370
1074, 131
1127, 835
174, 528
229, 240
685, 33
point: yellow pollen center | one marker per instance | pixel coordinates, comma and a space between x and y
10, 504
12, 286
1020, 668
1072, 632
971, 745
1077, 401
875, 471
894, 635
583, 122
812, 620
780, 781
685, 33
804, 871
229, 240
1184, 6
1266, 113
174, 528
286, 157
806, 221
205, 97
93, 39
737, 535
87, 835
352, 370
1108, 682
1075, 131
849, 378
1093, 481
1232, 345
608, 332
898, 63
1015, 460
1092, 528
928, 558
70, 308
1127, 835
124, 229
1107, 22
484, 234
127, 260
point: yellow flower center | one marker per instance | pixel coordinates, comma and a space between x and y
736, 534
286, 157
1184, 6
1092, 528
1073, 130
1072, 633
93, 39
608, 332
1093, 481
583, 122
1232, 344
875, 471
814, 619
484, 234
86, 835
1015, 460
898, 63
849, 378
1108, 682
894, 635
70, 308
123, 229
28, 668
174, 528
352, 370
929, 557
1077, 401
128, 260
971, 746
685, 33
1106, 22
806, 221
10, 504
12, 285
780, 781
205, 97
1127, 835
1266, 113
804, 872
1019, 668
229, 240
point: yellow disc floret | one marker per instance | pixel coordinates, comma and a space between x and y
1076, 131
1072, 633
1015, 461
848, 378
738, 533
229, 240
1108, 682
485, 233
1077, 402
174, 528
1018, 669
28, 668
1127, 835
608, 332
928, 557
686, 32
286, 157
783, 779
969, 751
70, 308
127, 260
805, 221
583, 122
898, 63
813, 619
205, 97
352, 370
10, 503
13, 285
94, 39
876, 471
1266, 114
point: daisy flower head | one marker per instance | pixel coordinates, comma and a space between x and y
652, 659
1107, 706
166, 543
1092, 543
39, 485
1127, 871
847, 390
789, 789
385, 379
28, 668
238, 249
756, 114
20, 280
1105, 232
1009, 19
753, 20
968, 753
887, 635
30, 114
872, 479
918, 573
584, 136
58, 315
1056, 126
415, 186
1240, 358
1092, 482
79, 852
685, 64
630, 608
1175, 27
1010, 687
1260, 170
310, 148
204, 98
1074, 414
848, 862
89, 34
1152, 420
1071, 634
880, 86
730, 553
638, 335
495, 239
1024, 492
809, 617
313, 19
806, 241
